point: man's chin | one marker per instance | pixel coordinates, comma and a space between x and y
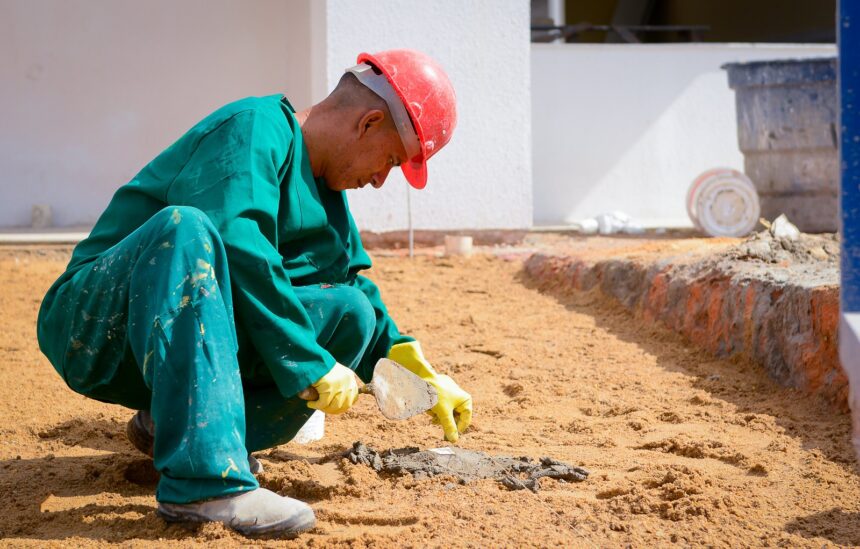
336, 186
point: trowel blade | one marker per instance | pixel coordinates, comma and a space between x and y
399, 393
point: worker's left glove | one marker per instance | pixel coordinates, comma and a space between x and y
454, 409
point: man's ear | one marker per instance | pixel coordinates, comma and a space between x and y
371, 119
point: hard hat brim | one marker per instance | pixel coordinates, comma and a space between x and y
415, 172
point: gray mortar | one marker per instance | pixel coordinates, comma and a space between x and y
808, 262
811, 261
814, 249
465, 465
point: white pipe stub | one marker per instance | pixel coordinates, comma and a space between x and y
458, 245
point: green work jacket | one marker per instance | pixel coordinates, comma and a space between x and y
247, 168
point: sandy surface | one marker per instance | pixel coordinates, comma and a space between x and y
681, 447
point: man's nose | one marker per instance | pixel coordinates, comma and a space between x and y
379, 178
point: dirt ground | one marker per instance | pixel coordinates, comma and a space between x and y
682, 448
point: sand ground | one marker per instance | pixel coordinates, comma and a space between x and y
683, 448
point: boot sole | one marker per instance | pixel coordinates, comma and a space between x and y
277, 530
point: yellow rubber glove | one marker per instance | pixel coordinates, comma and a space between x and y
453, 401
337, 391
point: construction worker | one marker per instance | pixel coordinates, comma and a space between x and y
223, 280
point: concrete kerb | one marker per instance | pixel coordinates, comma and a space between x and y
42, 237
765, 313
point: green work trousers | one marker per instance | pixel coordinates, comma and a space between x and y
149, 325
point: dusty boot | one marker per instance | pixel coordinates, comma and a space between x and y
140, 429
259, 512
255, 466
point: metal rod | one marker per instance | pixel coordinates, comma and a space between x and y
409, 216
582, 27
627, 32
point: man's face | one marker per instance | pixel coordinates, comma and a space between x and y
367, 155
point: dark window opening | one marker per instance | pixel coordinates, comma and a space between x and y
666, 21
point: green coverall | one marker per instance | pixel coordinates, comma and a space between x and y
220, 282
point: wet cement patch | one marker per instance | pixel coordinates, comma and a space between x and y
516, 473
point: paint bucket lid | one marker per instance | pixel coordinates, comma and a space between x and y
723, 202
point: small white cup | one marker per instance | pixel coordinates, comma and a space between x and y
458, 245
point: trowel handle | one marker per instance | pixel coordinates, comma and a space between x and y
311, 393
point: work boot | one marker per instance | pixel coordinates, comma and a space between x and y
140, 429
259, 512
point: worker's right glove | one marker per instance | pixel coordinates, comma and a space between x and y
453, 402
337, 391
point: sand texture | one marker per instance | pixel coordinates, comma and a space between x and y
682, 448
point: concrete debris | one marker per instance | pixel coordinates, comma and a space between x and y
783, 229
610, 223
465, 465
588, 226
783, 244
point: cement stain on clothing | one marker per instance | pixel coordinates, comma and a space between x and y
230, 467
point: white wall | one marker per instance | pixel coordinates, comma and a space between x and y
628, 127
93, 89
482, 178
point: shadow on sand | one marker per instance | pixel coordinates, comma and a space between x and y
108, 496
836, 525
810, 419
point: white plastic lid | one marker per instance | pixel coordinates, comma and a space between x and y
312, 430
723, 202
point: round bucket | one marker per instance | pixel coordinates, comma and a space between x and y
723, 202
788, 120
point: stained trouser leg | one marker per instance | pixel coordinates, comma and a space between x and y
344, 322
153, 327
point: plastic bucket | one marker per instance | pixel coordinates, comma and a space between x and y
786, 116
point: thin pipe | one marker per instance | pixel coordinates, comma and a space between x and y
409, 216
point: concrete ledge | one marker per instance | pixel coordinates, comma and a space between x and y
426, 238
781, 312
42, 238
371, 240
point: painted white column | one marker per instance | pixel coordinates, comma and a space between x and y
482, 179
556, 11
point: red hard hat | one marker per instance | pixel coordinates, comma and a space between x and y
429, 99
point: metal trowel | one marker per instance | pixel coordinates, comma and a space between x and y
399, 393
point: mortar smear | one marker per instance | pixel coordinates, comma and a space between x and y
466, 465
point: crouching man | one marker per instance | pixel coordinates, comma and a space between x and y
223, 280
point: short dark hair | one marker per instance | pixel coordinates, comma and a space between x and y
349, 92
